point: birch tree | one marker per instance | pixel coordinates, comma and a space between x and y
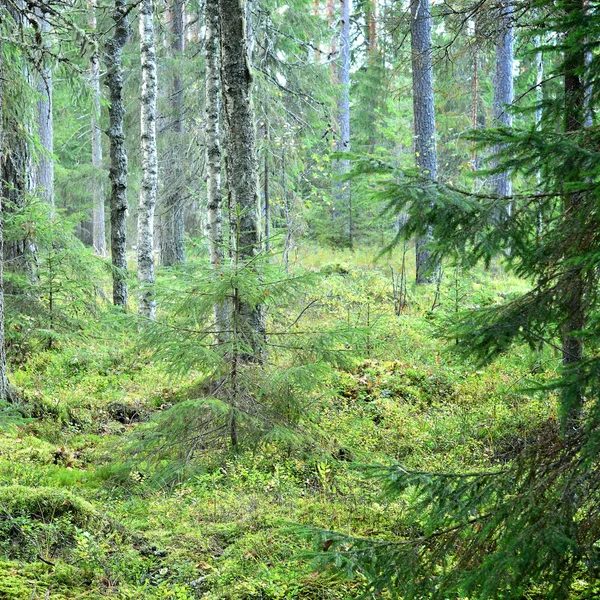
118, 154
423, 114
213, 152
98, 223
147, 203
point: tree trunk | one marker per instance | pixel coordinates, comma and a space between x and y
145, 237
332, 58
266, 198
172, 225
214, 227
241, 164
573, 286
504, 88
341, 190
98, 223
4, 386
44, 173
118, 154
424, 116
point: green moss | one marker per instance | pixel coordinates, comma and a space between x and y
44, 504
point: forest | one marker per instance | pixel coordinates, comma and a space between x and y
299, 299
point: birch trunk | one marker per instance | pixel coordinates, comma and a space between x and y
98, 222
147, 203
118, 154
504, 88
44, 173
424, 116
172, 227
214, 227
241, 164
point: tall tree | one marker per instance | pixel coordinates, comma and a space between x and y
147, 203
213, 151
504, 86
172, 225
118, 154
342, 195
423, 114
4, 386
44, 174
241, 163
98, 223
575, 286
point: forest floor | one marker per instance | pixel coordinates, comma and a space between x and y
79, 519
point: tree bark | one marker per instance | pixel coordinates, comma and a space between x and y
214, 227
574, 285
424, 116
341, 189
147, 203
98, 222
172, 225
118, 154
44, 173
504, 87
266, 198
241, 163
4, 385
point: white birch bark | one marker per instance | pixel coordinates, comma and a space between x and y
214, 226
147, 202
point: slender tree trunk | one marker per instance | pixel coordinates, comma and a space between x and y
330, 9
341, 189
172, 226
44, 173
241, 164
372, 8
424, 116
289, 221
118, 155
4, 385
145, 237
214, 227
504, 88
574, 286
98, 222
266, 199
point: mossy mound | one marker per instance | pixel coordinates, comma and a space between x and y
45, 504
36, 522
20, 581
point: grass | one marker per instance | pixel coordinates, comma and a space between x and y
224, 525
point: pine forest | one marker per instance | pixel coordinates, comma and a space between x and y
299, 299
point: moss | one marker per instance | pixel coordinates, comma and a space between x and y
22, 582
45, 504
